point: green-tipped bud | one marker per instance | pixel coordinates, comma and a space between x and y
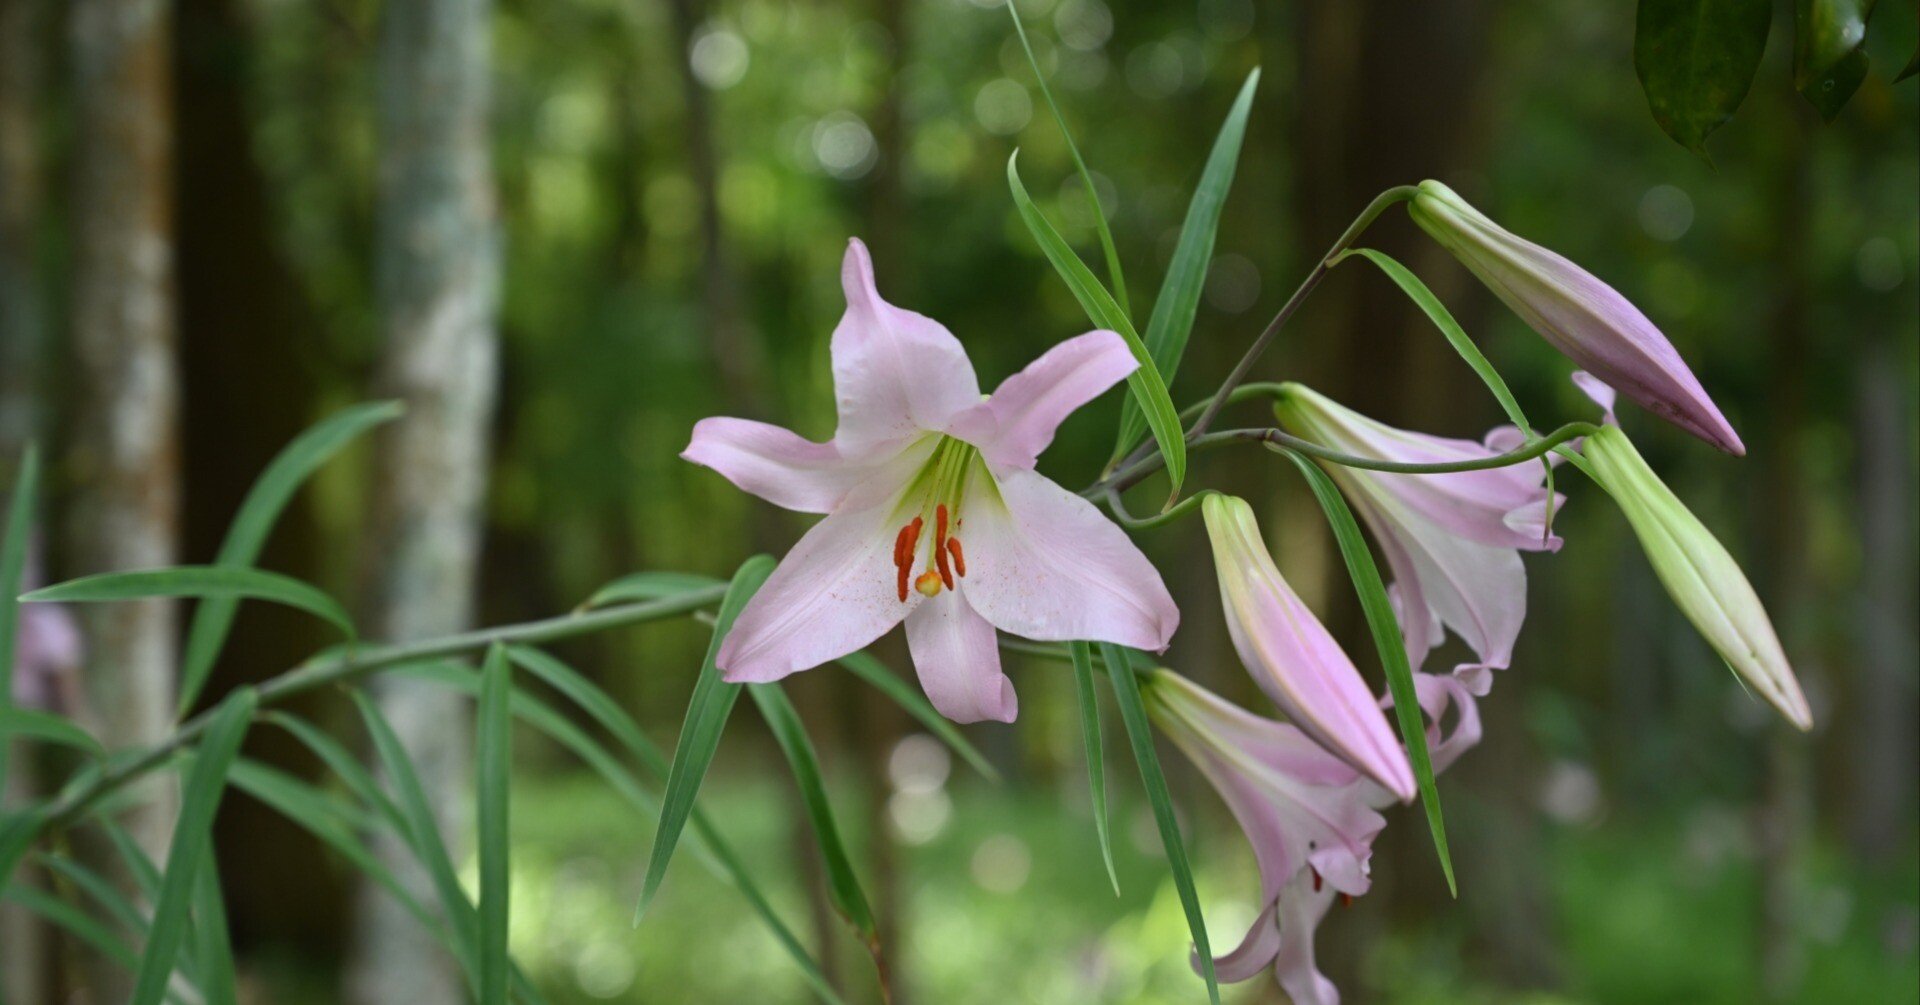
1698, 573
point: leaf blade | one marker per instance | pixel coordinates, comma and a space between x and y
649, 586
47, 727
1696, 60
1829, 54
493, 736
13, 560
1082, 655
205, 581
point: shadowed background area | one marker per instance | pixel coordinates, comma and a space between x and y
673, 184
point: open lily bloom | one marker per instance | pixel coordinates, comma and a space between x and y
934, 513
1452, 540
1587, 320
1292, 656
1310, 818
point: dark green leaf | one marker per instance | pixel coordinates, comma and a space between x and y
700, 731
493, 750
207, 581
649, 586
1912, 67
1146, 383
915, 702
98, 888
1696, 60
1387, 639
1829, 61
213, 964
13, 560
72, 920
344, 765
17, 831
254, 521
1096, 758
47, 727
192, 837
842, 884
1179, 298
1133, 713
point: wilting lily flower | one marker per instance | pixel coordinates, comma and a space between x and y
1587, 320
1698, 573
1292, 656
1452, 540
1310, 818
920, 463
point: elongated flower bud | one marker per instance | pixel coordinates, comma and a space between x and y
1292, 656
1582, 317
1698, 573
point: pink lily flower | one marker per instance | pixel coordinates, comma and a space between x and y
1310, 818
1293, 657
1587, 320
921, 462
1451, 540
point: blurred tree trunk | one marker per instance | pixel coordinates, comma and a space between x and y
22, 938
438, 286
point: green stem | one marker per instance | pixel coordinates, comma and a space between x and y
343, 667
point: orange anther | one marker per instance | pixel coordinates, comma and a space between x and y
959, 557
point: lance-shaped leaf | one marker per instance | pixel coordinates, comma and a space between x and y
47, 727
192, 837
842, 883
650, 586
213, 948
1146, 383
258, 513
207, 581
1378, 608
1696, 60
13, 559
1133, 713
1082, 654
1829, 58
1179, 299
493, 750
707, 713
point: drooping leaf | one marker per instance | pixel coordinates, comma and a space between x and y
908, 697
1107, 246
707, 713
1146, 383
1096, 757
1829, 58
206, 581
843, 885
1133, 714
493, 752
47, 727
650, 586
192, 839
258, 513
13, 560
1179, 299
1378, 608
1696, 60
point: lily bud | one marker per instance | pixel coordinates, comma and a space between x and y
1293, 657
1698, 573
1585, 319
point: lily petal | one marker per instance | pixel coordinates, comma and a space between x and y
1017, 423
1478, 590
1301, 909
1255, 952
776, 464
1045, 565
957, 657
895, 373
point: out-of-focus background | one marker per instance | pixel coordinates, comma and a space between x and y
201, 206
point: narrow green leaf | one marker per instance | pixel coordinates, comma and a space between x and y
1442, 319
707, 714
72, 920
344, 765
1133, 713
1179, 299
604, 710
649, 586
99, 889
208, 581
493, 749
47, 727
423, 834
17, 831
915, 701
1829, 58
791, 734
192, 837
308, 800
1086, 177
213, 965
13, 560
1146, 383
1696, 60
1387, 639
146, 875
1082, 654
213, 617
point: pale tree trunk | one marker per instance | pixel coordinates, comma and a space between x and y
439, 277
22, 940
